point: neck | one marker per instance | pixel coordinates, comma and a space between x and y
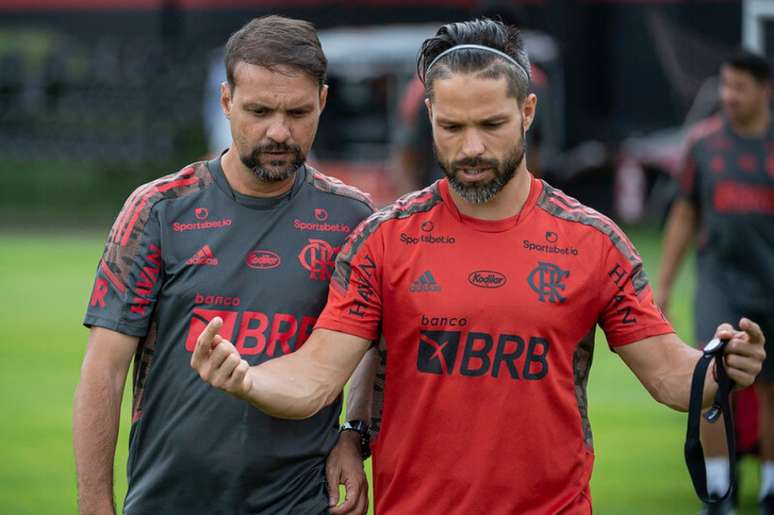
243, 180
758, 125
507, 203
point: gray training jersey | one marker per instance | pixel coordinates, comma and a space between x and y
730, 179
184, 249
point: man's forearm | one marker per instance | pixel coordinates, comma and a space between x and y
674, 387
679, 234
287, 388
96, 415
293, 386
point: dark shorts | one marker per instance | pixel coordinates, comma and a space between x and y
712, 308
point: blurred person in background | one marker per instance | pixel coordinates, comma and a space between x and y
249, 237
726, 203
487, 288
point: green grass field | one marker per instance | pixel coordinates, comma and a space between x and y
45, 283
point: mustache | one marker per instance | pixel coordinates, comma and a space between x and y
277, 147
475, 162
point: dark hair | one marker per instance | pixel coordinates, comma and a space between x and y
751, 63
272, 41
485, 32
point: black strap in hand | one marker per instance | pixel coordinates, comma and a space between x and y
694, 452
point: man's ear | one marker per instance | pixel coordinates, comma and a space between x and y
225, 98
528, 110
323, 96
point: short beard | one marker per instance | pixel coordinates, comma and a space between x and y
480, 193
252, 161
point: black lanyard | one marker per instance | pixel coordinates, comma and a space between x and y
694, 452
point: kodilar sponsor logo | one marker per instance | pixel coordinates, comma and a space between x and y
487, 279
263, 259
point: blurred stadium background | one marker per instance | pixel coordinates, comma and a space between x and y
99, 96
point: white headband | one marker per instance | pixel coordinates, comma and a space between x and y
479, 47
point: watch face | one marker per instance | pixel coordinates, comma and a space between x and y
713, 345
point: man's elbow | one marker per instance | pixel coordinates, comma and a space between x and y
661, 391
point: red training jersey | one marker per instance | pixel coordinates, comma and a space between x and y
488, 333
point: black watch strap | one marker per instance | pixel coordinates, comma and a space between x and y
361, 427
694, 452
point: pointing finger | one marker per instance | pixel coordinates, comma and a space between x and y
753, 330
205, 342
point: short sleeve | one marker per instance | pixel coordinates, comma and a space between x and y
355, 295
129, 274
628, 313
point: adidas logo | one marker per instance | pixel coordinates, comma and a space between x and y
426, 282
203, 257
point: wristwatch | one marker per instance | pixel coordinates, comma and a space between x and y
362, 429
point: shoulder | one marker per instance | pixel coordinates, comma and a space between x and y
564, 207
704, 131
138, 206
331, 185
187, 180
406, 207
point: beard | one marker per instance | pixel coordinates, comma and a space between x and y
479, 192
268, 169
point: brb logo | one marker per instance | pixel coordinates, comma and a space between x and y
546, 280
319, 257
252, 332
482, 354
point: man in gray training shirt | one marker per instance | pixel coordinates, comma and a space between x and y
727, 199
250, 237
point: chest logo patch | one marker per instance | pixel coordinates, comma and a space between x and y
546, 280
425, 283
319, 257
203, 256
487, 279
262, 259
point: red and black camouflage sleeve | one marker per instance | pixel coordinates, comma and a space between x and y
628, 311
355, 293
130, 272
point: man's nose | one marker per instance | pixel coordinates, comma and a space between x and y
472, 144
278, 130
